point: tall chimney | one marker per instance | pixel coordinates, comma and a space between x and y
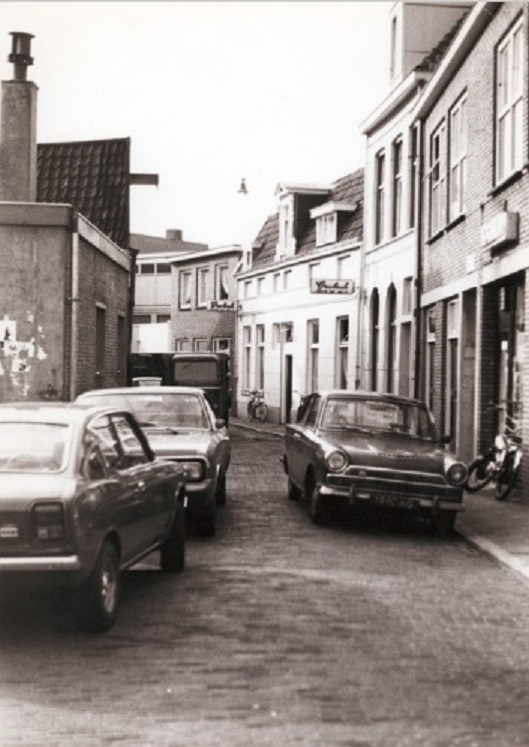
18, 127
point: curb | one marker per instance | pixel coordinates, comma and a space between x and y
255, 429
502, 556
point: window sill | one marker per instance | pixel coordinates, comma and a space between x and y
512, 179
449, 226
184, 308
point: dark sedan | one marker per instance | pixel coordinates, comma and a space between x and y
368, 449
82, 497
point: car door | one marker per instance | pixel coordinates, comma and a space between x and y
298, 440
153, 497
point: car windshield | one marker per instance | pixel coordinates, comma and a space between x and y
372, 415
161, 409
33, 447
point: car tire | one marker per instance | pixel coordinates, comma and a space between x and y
172, 551
220, 494
444, 522
317, 508
206, 522
294, 493
99, 597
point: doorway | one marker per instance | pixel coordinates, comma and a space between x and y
288, 387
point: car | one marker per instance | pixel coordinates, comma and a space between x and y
82, 498
369, 449
182, 427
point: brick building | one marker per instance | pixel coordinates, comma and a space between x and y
474, 253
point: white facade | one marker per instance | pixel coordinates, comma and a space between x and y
292, 340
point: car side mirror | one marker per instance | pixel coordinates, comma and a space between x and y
220, 423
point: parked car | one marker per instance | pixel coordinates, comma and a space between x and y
181, 426
82, 497
368, 449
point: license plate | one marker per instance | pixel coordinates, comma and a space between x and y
393, 501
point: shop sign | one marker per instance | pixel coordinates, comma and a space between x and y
499, 231
332, 287
223, 305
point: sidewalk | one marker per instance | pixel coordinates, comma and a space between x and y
499, 528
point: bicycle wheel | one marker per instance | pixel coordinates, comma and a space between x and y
506, 479
250, 410
261, 411
480, 473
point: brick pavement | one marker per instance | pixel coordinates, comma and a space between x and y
499, 528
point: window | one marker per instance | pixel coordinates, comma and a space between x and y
314, 269
222, 344
287, 329
374, 321
202, 286
326, 229
260, 351
277, 280
509, 103
182, 345
163, 268
200, 345
141, 319
451, 367
342, 352
260, 286
379, 196
458, 155
407, 296
147, 268
437, 180
313, 343
391, 338
397, 187
185, 289
344, 268
221, 283
247, 354
163, 318
430, 356
287, 275
413, 175
247, 288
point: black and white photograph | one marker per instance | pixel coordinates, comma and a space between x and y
262, 373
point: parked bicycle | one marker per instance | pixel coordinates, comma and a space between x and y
500, 464
257, 408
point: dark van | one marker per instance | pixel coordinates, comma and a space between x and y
208, 371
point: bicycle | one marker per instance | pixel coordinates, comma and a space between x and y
500, 464
257, 408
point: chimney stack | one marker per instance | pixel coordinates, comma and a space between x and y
18, 133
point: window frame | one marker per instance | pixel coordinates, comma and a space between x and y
457, 157
380, 169
397, 150
437, 178
511, 110
185, 277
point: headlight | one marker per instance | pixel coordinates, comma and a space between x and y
456, 474
194, 471
336, 461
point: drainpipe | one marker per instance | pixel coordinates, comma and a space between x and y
419, 205
74, 305
360, 318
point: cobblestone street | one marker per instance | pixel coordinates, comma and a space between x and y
365, 633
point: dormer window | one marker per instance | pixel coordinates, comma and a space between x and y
326, 229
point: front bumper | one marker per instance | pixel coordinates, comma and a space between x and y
40, 564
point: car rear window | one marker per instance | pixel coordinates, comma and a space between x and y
151, 409
33, 447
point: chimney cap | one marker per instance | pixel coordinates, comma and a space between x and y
21, 53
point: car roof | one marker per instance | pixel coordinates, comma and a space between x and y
69, 413
154, 389
362, 394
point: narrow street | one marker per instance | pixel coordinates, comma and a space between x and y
365, 633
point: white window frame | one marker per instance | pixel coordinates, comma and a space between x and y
287, 275
313, 351
342, 351
438, 179
510, 88
259, 356
182, 345
380, 186
202, 286
458, 157
222, 345
326, 229
396, 197
185, 280
430, 353
260, 285
200, 344
247, 356
222, 288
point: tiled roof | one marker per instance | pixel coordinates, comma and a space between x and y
94, 177
349, 189
433, 58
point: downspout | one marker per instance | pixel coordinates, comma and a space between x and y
419, 204
359, 317
74, 305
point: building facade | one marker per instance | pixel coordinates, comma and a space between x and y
474, 255
297, 319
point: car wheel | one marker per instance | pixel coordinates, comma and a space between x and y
100, 594
294, 493
444, 522
172, 551
220, 495
206, 522
317, 508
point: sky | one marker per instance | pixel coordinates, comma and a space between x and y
209, 93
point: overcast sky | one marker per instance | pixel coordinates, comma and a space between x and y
209, 93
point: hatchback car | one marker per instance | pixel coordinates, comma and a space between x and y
181, 426
363, 448
82, 497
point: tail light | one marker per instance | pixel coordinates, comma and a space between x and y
49, 522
